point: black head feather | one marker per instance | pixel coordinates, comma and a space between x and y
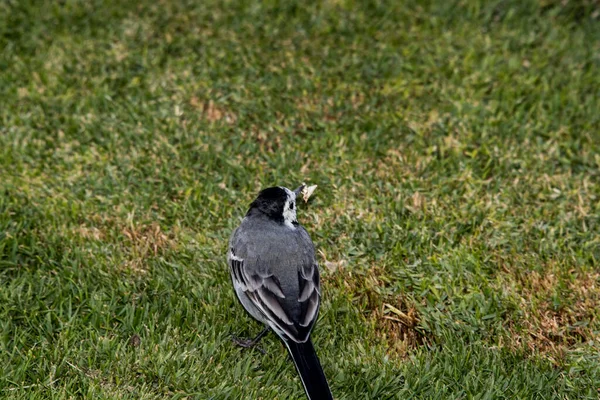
270, 202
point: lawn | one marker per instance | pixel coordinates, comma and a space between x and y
456, 149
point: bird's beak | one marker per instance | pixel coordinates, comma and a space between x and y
299, 190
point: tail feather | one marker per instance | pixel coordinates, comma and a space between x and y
308, 366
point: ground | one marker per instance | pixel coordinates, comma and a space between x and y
456, 145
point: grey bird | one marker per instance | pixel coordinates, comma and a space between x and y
276, 278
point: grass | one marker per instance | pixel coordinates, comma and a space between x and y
456, 148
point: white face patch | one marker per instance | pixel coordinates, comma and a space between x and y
289, 209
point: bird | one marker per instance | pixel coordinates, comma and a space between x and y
276, 278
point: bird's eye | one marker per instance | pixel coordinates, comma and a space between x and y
291, 206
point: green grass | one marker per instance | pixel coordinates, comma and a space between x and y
456, 146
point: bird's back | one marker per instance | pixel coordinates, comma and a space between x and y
284, 252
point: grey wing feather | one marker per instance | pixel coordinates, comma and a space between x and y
264, 290
309, 294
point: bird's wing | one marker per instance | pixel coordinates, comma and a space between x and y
310, 293
289, 317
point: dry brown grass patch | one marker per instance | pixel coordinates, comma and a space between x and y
211, 112
145, 241
90, 232
394, 319
397, 324
560, 310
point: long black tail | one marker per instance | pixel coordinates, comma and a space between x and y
309, 368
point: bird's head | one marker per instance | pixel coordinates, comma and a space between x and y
277, 203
